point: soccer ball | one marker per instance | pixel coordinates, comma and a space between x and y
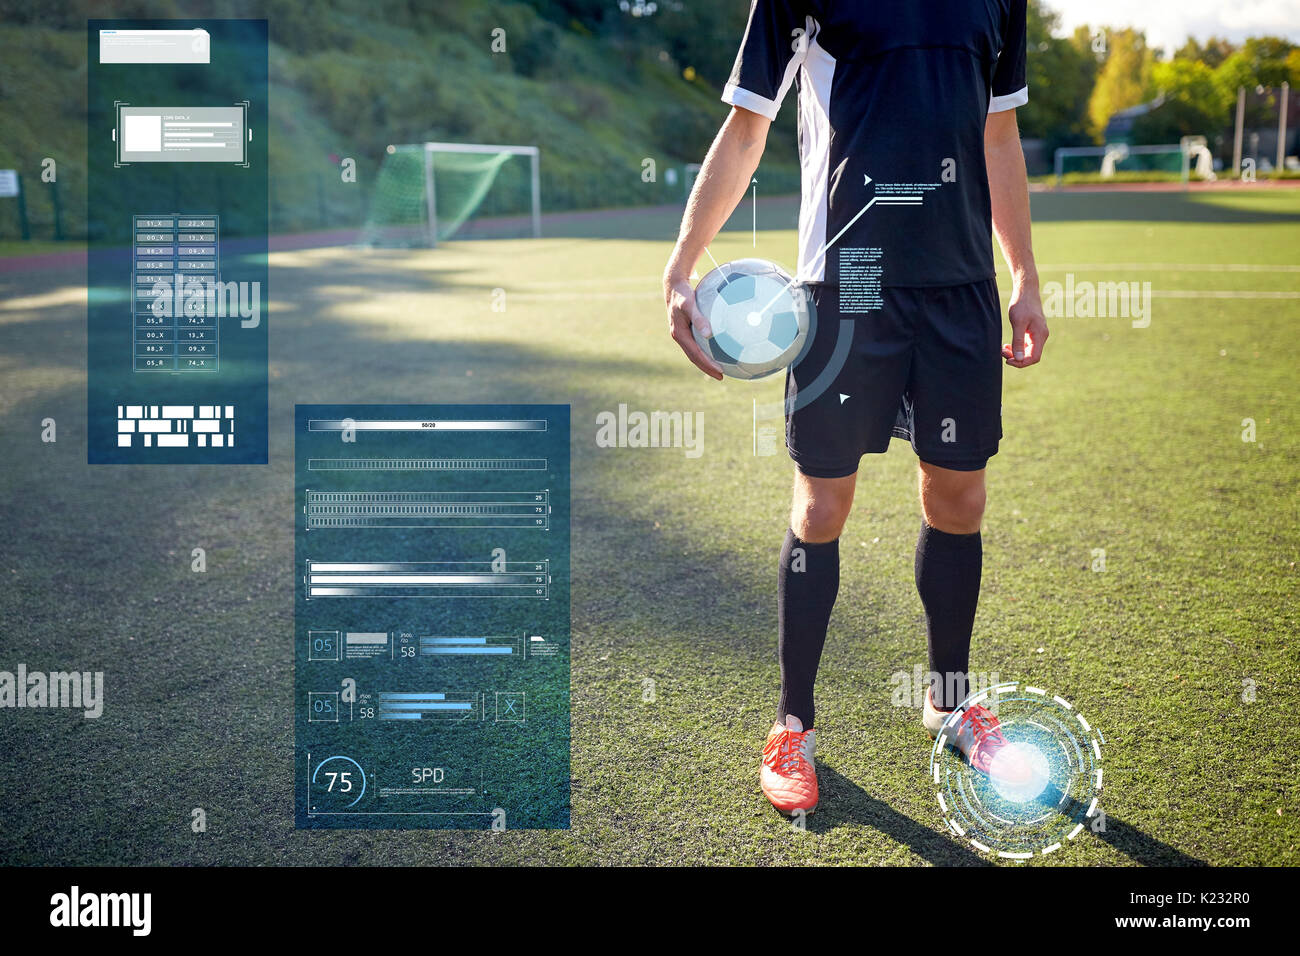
760, 317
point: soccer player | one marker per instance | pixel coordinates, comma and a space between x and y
910, 158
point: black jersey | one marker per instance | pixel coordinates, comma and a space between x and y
893, 97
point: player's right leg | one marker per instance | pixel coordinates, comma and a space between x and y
808, 580
842, 397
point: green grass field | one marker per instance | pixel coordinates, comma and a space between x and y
1124, 439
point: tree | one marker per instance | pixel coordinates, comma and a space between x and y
1262, 62
1192, 82
1124, 79
1195, 103
1267, 57
1212, 52
1061, 73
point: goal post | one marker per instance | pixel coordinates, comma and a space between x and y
425, 192
1118, 160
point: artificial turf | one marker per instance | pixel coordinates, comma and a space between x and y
1124, 439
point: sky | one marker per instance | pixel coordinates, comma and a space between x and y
1168, 23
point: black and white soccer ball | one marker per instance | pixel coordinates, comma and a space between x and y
759, 316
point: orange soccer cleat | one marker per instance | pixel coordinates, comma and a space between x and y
976, 732
787, 775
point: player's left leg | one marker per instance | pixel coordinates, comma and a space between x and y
953, 417
955, 424
949, 562
949, 559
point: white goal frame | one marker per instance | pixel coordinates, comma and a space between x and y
430, 186
1120, 151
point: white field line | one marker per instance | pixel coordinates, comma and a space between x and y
1221, 294
645, 280
587, 295
654, 294
650, 285
1169, 267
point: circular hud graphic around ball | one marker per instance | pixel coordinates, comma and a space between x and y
759, 316
1051, 795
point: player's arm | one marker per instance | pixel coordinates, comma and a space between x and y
1009, 194
723, 180
773, 48
1009, 189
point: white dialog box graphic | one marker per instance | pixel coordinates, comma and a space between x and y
154, 46
181, 134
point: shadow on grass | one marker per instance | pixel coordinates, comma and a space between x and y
660, 223
844, 803
1150, 207
198, 711
1140, 847
655, 223
201, 715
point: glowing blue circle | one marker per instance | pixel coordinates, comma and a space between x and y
1040, 792
1012, 788
355, 764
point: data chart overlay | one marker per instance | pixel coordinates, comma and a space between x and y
176, 221
431, 634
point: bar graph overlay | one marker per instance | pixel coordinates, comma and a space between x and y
414, 705
428, 579
427, 464
471, 646
488, 425
332, 645
429, 509
431, 616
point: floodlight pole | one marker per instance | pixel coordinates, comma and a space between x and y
1236, 136
1281, 126
430, 197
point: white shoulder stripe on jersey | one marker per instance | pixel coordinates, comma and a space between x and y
814, 114
1010, 101
745, 99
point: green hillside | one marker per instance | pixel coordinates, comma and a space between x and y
348, 78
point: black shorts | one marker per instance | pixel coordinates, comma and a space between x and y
927, 368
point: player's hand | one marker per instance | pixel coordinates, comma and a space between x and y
679, 297
1028, 329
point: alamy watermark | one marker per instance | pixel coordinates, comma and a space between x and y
910, 687
74, 909
70, 690
1101, 300
634, 429
183, 296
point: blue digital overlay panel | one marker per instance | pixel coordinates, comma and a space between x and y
431, 673
177, 222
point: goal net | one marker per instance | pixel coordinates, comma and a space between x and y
1117, 162
426, 193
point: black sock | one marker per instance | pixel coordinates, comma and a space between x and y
948, 580
807, 582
